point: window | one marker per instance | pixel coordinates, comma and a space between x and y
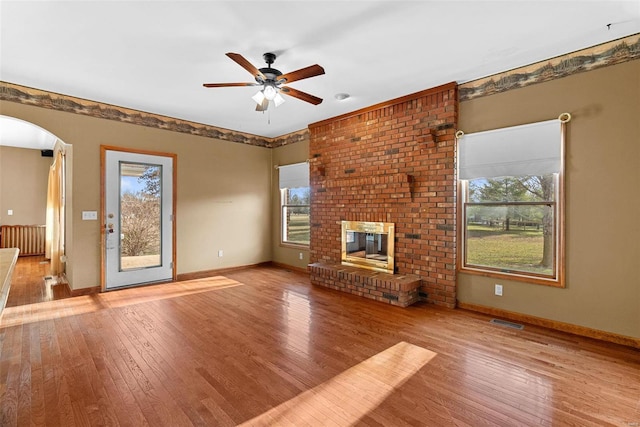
295, 197
510, 183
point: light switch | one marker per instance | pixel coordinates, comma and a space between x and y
10, 212
89, 215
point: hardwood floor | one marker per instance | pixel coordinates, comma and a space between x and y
262, 347
32, 284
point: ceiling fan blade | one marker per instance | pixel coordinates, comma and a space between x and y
301, 95
240, 60
303, 73
228, 84
263, 106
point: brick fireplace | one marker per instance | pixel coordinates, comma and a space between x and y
394, 163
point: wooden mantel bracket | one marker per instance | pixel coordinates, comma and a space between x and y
431, 134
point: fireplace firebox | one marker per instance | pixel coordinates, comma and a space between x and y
368, 245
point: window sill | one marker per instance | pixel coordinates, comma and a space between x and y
556, 283
294, 245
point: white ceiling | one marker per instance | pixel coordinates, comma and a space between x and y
154, 56
19, 133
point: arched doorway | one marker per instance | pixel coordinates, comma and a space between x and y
35, 179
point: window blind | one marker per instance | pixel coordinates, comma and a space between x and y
531, 149
294, 176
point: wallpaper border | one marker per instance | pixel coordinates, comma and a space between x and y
611, 53
69, 104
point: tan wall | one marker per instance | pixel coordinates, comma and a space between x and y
222, 191
285, 155
603, 208
225, 190
23, 186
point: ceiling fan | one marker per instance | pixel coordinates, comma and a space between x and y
273, 81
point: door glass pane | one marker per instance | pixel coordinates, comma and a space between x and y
140, 215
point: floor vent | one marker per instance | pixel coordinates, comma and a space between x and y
507, 324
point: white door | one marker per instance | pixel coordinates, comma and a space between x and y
138, 218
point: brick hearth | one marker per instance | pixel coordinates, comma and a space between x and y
394, 289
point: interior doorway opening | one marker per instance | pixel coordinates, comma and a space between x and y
35, 204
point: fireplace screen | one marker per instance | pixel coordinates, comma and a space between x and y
368, 245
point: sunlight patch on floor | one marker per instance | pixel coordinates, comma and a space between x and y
25, 314
349, 396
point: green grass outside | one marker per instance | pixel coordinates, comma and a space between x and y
516, 249
299, 229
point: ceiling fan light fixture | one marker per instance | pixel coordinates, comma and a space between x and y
278, 100
270, 91
258, 97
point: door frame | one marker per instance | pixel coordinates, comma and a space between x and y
103, 219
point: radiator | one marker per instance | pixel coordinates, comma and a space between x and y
30, 239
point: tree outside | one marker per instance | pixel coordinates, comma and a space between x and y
510, 223
140, 209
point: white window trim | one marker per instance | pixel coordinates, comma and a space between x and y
295, 175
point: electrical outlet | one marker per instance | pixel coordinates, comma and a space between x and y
301, 256
498, 290
220, 253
